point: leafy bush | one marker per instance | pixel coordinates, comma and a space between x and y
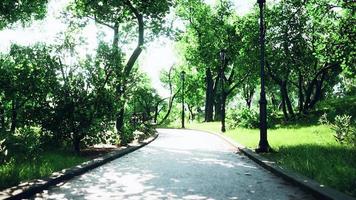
249, 118
127, 135
144, 131
345, 131
324, 120
26, 143
338, 106
246, 118
30, 141
101, 137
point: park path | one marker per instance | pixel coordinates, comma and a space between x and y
179, 164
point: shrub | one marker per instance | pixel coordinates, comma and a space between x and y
26, 143
246, 118
30, 141
323, 119
249, 118
144, 131
127, 135
345, 132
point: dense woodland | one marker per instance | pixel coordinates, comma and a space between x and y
51, 97
310, 54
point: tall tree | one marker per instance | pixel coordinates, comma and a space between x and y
199, 17
128, 16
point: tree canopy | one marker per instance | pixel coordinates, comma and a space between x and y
24, 11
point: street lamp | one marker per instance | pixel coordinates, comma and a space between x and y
223, 59
182, 74
263, 145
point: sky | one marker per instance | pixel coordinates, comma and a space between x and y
158, 55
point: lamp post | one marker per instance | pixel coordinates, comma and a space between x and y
263, 145
222, 98
182, 74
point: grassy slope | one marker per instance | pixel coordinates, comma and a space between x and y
14, 172
309, 150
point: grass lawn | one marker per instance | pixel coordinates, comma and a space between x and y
19, 170
309, 150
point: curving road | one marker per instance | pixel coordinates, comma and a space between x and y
179, 164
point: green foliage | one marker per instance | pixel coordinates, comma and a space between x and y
246, 118
82, 107
26, 143
343, 127
249, 118
27, 81
338, 106
323, 119
30, 142
114, 12
24, 11
144, 131
127, 135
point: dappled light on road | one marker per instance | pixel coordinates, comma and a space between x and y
178, 165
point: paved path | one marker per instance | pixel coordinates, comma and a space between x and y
179, 164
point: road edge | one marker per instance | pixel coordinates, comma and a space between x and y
318, 190
30, 188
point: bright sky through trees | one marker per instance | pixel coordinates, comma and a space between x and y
158, 55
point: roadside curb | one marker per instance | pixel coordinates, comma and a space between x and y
30, 188
318, 190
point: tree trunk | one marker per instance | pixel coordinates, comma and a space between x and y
2, 117
300, 93
248, 99
192, 116
136, 53
116, 37
283, 104
318, 91
313, 91
248, 92
120, 119
156, 114
170, 104
223, 115
274, 101
248, 103
218, 108
13, 116
76, 143
209, 96
130, 63
288, 103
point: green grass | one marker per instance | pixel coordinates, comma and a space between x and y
309, 150
19, 170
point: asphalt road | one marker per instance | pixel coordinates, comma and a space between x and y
179, 164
